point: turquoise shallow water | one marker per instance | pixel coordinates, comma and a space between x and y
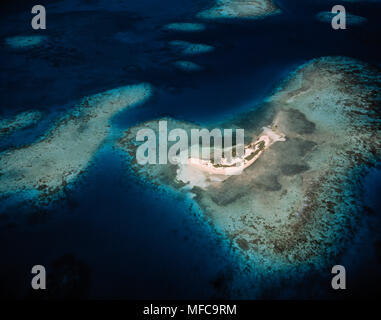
135, 241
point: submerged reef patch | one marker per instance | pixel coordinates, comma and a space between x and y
48, 165
351, 19
188, 66
188, 48
297, 208
243, 9
185, 26
19, 121
25, 42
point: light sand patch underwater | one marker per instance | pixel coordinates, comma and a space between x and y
187, 66
64, 153
25, 42
244, 9
188, 48
296, 208
185, 27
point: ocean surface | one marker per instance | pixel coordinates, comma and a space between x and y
117, 236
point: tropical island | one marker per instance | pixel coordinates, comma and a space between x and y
237, 164
295, 207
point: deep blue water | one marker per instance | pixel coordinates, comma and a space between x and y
137, 242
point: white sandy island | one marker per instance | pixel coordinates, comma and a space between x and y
200, 172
